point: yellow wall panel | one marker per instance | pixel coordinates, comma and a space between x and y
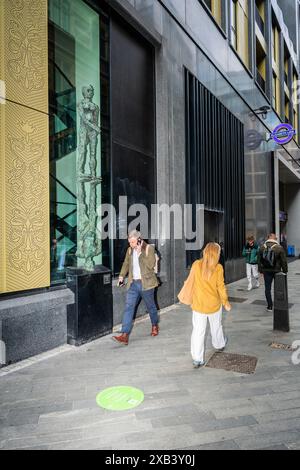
24, 146
25, 63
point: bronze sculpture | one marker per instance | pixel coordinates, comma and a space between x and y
89, 236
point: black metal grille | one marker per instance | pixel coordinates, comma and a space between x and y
282, 346
233, 362
215, 162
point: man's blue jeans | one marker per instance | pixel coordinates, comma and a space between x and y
269, 278
134, 293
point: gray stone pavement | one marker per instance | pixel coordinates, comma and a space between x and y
48, 402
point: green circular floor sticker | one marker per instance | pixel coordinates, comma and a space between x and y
120, 398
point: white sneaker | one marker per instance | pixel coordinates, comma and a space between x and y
257, 285
249, 287
197, 364
222, 349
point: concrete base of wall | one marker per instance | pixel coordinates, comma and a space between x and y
235, 270
33, 324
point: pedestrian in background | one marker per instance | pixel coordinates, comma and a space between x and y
250, 252
205, 291
271, 260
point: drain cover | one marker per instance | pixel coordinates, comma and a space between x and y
233, 362
285, 347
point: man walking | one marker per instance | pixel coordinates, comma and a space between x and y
250, 253
139, 264
271, 260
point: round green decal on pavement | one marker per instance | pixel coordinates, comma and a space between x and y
120, 398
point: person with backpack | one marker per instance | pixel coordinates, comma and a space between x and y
250, 253
271, 260
140, 266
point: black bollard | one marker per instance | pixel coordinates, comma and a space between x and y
281, 303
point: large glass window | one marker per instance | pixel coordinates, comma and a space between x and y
260, 15
275, 42
276, 68
234, 24
217, 8
261, 64
259, 190
77, 107
274, 91
240, 29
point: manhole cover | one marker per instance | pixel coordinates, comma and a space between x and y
285, 347
233, 362
120, 398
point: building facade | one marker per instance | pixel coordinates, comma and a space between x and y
183, 96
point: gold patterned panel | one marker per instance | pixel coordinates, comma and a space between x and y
26, 52
2, 173
24, 148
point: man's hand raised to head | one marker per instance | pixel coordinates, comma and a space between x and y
138, 249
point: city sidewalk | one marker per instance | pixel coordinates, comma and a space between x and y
48, 402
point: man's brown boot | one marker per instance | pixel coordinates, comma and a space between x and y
155, 330
122, 339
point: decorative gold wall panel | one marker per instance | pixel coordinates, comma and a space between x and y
24, 148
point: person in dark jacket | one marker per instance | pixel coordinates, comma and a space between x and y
250, 253
279, 264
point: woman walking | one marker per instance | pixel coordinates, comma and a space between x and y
205, 291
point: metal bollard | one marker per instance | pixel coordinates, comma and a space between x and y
281, 304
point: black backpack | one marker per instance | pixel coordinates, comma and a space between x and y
268, 257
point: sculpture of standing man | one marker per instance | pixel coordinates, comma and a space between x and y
89, 130
89, 237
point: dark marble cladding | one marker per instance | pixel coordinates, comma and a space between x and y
34, 324
35, 333
234, 270
24, 305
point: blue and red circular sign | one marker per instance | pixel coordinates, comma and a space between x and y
283, 133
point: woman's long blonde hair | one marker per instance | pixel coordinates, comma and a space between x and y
211, 256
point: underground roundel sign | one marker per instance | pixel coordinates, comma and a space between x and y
283, 133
